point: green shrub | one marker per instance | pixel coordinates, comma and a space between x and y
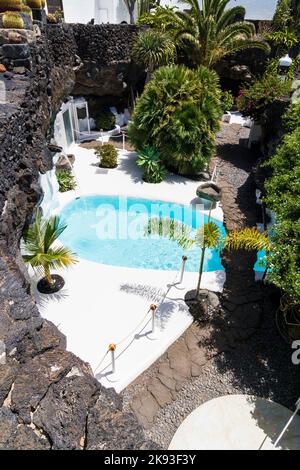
291, 119
65, 180
108, 155
283, 197
106, 121
152, 167
178, 114
255, 99
13, 20
227, 101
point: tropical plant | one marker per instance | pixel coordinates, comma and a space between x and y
41, 252
106, 120
283, 197
13, 20
227, 101
207, 236
178, 114
291, 120
108, 155
153, 49
144, 6
158, 18
65, 180
250, 239
255, 98
212, 32
152, 167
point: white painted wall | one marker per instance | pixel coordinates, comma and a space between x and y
79, 11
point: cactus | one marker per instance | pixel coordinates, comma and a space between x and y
10, 5
26, 9
12, 20
35, 4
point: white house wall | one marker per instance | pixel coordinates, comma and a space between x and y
79, 11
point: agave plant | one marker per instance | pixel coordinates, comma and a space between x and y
207, 236
149, 161
41, 252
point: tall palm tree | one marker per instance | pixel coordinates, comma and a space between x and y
153, 49
213, 31
130, 5
207, 236
249, 239
41, 253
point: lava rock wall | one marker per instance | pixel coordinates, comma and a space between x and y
49, 398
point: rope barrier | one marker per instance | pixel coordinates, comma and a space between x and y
153, 309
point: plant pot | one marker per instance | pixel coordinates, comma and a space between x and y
44, 287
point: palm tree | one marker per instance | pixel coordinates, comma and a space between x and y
39, 239
130, 5
207, 236
153, 49
249, 239
213, 32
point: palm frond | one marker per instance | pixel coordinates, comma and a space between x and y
248, 239
171, 229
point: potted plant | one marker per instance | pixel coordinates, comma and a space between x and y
43, 255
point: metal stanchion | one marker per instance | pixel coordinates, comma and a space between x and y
101, 134
123, 135
184, 260
153, 309
112, 348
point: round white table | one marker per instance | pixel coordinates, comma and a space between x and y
237, 422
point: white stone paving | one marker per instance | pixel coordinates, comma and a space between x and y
103, 304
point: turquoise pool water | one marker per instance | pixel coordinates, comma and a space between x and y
110, 230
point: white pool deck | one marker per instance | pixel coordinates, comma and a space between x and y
102, 304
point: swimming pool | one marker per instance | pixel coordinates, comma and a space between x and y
111, 230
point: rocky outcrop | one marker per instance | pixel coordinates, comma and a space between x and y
49, 398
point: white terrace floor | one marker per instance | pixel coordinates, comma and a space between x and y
103, 304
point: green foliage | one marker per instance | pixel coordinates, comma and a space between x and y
283, 197
207, 236
247, 239
227, 101
153, 49
212, 32
284, 39
178, 114
255, 98
159, 18
291, 119
108, 155
106, 120
12, 20
149, 161
282, 17
65, 180
41, 252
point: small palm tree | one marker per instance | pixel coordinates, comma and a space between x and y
207, 236
213, 31
39, 239
153, 49
249, 239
